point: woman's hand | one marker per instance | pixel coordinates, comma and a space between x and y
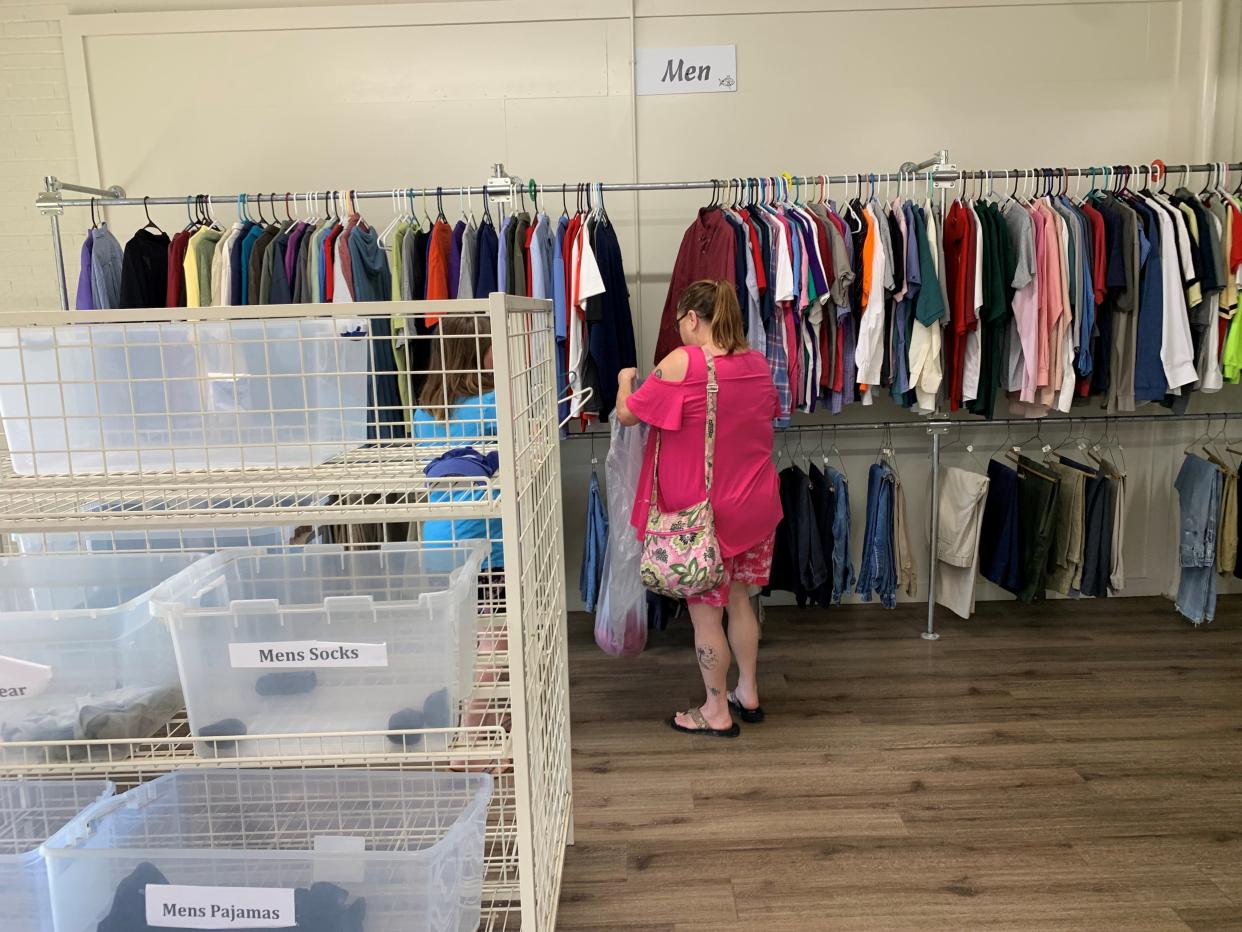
626, 380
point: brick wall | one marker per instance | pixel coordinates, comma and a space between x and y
36, 139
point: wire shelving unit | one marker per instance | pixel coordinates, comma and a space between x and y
516, 722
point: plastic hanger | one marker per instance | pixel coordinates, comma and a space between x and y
967, 448
150, 224
487, 207
394, 199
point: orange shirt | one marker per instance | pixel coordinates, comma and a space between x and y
438, 265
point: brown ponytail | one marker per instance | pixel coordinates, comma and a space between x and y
716, 304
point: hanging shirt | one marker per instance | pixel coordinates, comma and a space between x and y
706, 252
505, 246
219, 267
1176, 349
144, 270
869, 355
86, 297
454, 264
438, 264
585, 283
541, 285
469, 261
973, 356
560, 310
959, 263
107, 259
610, 323
926, 369
174, 291
1150, 383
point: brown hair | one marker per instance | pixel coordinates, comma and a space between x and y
456, 367
716, 304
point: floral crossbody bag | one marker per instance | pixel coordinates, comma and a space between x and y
681, 556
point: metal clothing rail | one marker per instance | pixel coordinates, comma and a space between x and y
937, 171
945, 423
937, 426
916, 173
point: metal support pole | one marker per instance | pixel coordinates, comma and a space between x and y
58, 249
935, 431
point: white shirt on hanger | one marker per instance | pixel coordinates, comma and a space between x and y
869, 355
1177, 353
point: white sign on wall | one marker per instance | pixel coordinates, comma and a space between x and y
695, 69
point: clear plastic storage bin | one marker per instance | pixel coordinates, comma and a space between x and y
324, 639
373, 850
96, 398
81, 656
31, 813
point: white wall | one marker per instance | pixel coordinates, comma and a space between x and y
296, 97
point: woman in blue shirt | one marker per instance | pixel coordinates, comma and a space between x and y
457, 408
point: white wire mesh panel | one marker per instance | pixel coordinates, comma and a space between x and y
442, 391
534, 564
250, 418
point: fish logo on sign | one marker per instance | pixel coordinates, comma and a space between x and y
727, 81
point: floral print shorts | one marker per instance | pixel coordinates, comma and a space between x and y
750, 567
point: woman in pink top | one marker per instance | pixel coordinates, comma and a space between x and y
745, 493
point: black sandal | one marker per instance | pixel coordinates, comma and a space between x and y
749, 716
703, 728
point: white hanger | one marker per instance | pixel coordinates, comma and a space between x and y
575, 398
383, 238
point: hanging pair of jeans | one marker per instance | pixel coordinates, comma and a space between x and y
877, 573
1199, 486
843, 578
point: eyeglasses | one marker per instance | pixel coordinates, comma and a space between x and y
682, 316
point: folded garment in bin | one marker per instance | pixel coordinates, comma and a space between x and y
322, 908
134, 712
463, 461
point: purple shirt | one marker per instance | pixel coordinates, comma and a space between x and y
86, 297
291, 251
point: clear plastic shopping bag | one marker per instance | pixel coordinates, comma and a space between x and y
621, 619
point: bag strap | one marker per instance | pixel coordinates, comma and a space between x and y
709, 430
709, 433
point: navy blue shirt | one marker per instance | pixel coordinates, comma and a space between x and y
485, 262
1149, 381
611, 337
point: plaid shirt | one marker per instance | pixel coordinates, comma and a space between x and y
775, 352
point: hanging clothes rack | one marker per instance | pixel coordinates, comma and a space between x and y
936, 171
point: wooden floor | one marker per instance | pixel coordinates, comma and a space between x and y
1052, 767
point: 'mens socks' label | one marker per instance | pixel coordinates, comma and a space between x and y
170, 906
284, 655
